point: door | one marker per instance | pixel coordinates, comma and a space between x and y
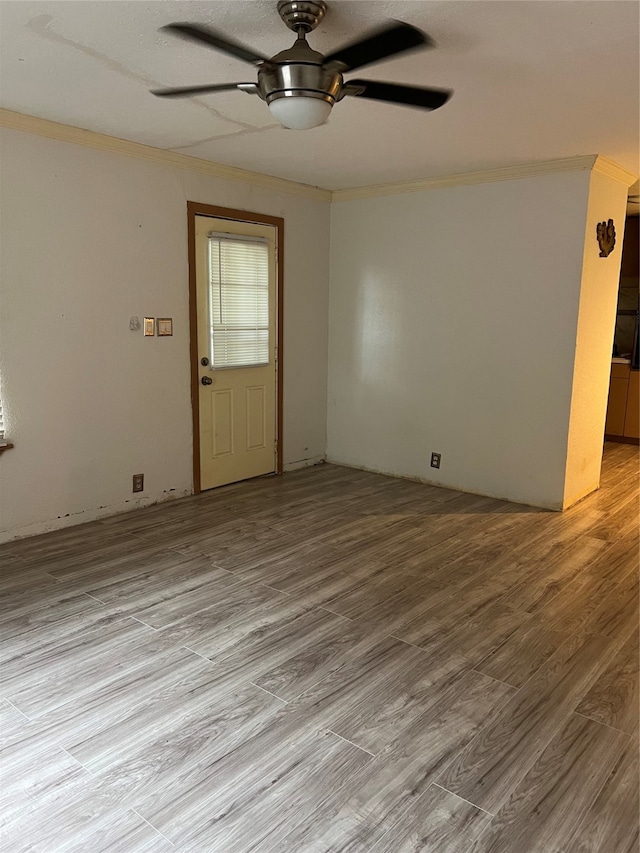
236, 284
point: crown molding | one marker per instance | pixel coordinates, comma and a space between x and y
611, 169
509, 173
91, 139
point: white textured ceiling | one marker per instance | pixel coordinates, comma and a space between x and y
533, 81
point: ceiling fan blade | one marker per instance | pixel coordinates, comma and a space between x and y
204, 35
187, 91
396, 37
412, 96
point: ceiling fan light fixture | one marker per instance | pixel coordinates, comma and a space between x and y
300, 110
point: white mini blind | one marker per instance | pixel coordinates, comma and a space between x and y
238, 300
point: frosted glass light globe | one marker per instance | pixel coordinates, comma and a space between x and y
299, 112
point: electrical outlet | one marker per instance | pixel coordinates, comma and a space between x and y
435, 460
138, 483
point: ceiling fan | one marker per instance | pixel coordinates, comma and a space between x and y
301, 85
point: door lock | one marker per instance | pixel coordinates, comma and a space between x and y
206, 380
204, 361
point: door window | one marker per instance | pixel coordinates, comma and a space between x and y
238, 300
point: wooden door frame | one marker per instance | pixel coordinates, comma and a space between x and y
195, 208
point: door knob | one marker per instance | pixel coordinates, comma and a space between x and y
206, 380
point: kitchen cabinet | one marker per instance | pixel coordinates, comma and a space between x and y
632, 415
623, 407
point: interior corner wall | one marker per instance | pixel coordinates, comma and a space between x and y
594, 340
90, 238
452, 328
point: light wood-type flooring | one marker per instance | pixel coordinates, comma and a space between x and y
324, 662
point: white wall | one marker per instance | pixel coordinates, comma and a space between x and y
90, 238
594, 341
452, 321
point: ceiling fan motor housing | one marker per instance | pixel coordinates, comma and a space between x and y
298, 72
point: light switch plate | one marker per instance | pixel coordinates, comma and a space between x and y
149, 327
165, 326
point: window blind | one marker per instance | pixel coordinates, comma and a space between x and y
238, 300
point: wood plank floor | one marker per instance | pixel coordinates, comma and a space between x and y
325, 662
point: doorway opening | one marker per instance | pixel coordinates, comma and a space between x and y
623, 405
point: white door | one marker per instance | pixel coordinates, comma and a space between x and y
236, 333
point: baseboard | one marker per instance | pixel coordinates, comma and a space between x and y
547, 506
622, 439
304, 463
84, 516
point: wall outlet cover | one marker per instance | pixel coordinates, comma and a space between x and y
138, 483
435, 460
